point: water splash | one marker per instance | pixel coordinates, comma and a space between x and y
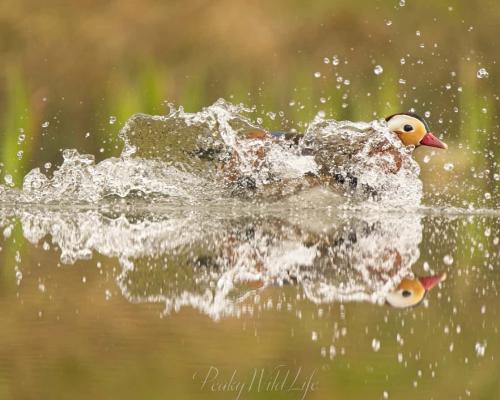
210, 155
80, 180
367, 157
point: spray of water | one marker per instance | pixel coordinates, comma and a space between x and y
207, 155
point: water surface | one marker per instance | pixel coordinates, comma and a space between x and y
179, 300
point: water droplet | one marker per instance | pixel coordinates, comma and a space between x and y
322, 100
447, 259
332, 351
314, 336
427, 114
20, 154
427, 159
402, 81
418, 33
7, 231
335, 60
484, 110
271, 115
487, 196
448, 167
402, 3
483, 309
21, 138
388, 22
45, 124
317, 74
112, 119
378, 70
19, 276
47, 165
8, 179
326, 60
480, 349
386, 395
375, 345
482, 73
402, 61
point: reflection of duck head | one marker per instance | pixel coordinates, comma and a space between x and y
413, 130
411, 292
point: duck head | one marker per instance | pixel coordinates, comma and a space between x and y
411, 292
413, 130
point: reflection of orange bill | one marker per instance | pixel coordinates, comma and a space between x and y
428, 282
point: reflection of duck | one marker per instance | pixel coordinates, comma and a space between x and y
411, 291
213, 263
355, 260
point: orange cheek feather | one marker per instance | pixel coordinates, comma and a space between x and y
409, 138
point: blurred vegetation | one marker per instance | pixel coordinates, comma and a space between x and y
76, 64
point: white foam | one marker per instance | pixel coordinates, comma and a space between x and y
180, 156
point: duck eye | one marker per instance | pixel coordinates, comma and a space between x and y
406, 293
408, 128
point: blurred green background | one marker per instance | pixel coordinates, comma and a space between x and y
69, 68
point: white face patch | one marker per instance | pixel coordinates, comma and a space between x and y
398, 122
396, 299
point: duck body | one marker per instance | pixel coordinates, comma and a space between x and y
347, 156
